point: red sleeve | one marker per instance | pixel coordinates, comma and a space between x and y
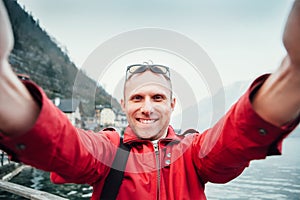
223, 152
54, 144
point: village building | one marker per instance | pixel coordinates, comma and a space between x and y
72, 108
106, 116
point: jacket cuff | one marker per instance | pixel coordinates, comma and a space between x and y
264, 130
20, 147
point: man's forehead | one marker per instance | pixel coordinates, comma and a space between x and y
147, 79
147, 76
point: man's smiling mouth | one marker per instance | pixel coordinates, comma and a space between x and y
146, 121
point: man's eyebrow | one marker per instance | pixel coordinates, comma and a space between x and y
159, 93
134, 95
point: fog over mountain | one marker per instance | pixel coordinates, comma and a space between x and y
203, 115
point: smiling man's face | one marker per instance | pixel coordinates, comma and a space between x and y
148, 104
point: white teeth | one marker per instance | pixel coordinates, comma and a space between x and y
147, 121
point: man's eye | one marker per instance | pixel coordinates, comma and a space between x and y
158, 97
136, 98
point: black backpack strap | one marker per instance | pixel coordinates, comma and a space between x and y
114, 179
187, 132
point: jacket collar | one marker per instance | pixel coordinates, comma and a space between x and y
130, 136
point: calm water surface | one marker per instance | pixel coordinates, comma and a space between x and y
277, 177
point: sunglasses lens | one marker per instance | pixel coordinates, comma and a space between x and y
140, 69
159, 69
136, 69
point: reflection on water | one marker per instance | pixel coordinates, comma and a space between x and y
38, 179
277, 177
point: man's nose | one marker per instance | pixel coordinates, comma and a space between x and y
147, 107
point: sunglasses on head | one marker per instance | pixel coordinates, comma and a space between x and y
140, 68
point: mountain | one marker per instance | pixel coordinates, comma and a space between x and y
38, 55
209, 110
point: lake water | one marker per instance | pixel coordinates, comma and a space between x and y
277, 177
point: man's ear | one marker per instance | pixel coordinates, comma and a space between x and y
173, 103
122, 102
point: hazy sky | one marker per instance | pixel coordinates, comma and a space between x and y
242, 37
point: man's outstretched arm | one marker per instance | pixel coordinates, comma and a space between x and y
278, 100
18, 110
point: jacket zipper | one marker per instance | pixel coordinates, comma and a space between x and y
156, 150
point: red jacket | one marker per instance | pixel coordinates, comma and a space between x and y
179, 170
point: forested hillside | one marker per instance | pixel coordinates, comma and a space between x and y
38, 55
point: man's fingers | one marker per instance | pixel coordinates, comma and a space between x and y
291, 37
6, 34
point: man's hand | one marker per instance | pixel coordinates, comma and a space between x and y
291, 37
6, 35
278, 100
18, 110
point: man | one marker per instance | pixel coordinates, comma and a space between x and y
161, 165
